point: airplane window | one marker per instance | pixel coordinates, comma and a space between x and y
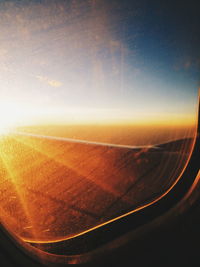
98, 105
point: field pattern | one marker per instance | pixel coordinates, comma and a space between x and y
51, 189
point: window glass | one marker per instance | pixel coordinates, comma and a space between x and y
98, 105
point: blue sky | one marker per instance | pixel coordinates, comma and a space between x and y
98, 60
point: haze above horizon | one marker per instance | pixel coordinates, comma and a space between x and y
93, 62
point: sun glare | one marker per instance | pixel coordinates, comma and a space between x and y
10, 116
6, 125
4, 130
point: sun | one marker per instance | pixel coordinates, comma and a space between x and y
6, 125
10, 117
4, 131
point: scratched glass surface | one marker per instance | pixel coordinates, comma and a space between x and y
98, 111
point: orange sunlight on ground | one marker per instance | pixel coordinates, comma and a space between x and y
51, 190
124, 134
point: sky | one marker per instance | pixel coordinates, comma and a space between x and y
98, 61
